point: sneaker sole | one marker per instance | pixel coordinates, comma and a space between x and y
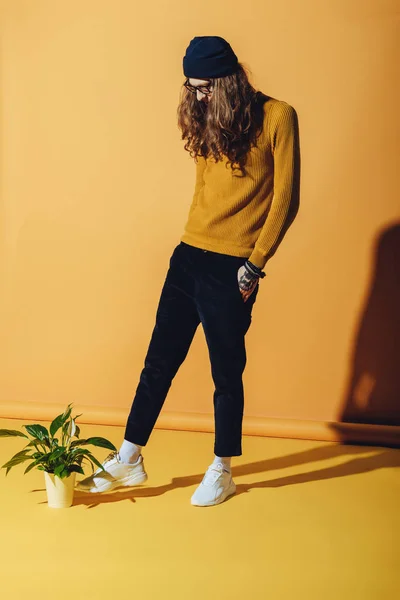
229, 492
130, 481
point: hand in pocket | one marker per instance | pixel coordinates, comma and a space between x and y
247, 282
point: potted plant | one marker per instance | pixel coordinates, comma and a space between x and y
59, 457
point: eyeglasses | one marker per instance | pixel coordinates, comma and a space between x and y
204, 89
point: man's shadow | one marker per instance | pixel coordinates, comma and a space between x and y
373, 389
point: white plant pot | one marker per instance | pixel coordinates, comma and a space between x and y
60, 492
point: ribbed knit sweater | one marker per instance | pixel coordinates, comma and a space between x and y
247, 216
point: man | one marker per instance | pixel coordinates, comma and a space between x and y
246, 196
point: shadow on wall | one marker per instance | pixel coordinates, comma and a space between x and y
373, 390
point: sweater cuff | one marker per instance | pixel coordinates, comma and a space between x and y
256, 271
257, 259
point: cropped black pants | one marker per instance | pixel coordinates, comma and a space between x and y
200, 287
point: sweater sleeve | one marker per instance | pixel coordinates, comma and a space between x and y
284, 147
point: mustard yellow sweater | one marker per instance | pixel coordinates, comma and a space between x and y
248, 215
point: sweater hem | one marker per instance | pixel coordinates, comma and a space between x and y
221, 247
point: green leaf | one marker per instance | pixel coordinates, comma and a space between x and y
78, 431
56, 424
33, 465
77, 450
12, 433
101, 443
61, 420
76, 469
35, 443
62, 472
86, 454
41, 457
89, 461
65, 473
29, 467
94, 441
18, 455
38, 431
16, 460
76, 455
24, 451
57, 453
78, 443
96, 462
58, 470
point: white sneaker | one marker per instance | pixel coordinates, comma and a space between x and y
216, 486
116, 474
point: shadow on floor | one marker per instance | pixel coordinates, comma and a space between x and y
362, 461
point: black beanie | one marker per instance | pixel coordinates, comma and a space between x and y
209, 56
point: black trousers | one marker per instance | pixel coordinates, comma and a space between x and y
200, 287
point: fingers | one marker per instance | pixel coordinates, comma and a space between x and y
247, 293
247, 282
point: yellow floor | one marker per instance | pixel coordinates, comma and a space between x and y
310, 520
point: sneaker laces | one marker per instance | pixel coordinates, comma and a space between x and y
114, 454
213, 473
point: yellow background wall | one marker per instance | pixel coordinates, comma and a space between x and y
96, 187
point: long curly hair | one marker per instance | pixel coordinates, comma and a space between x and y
228, 125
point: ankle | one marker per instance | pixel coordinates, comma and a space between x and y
225, 461
129, 452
